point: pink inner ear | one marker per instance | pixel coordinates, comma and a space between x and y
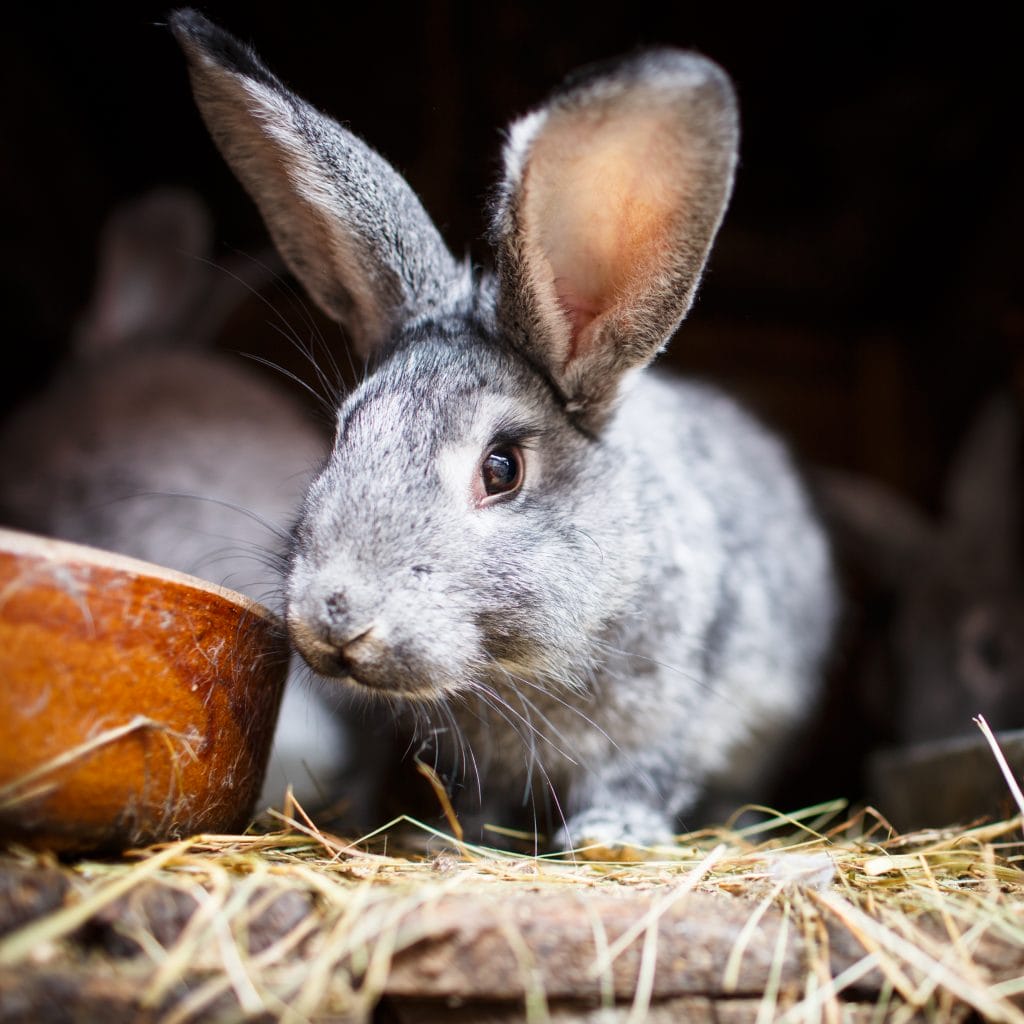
604, 194
580, 310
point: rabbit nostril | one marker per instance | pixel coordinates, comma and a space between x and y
336, 605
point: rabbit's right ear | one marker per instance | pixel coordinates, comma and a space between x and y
343, 219
983, 492
611, 198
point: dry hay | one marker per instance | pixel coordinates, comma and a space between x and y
802, 917
812, 916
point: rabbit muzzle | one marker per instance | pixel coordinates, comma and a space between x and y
396, 641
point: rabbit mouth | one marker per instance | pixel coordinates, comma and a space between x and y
390, 687
368, 666
388, 684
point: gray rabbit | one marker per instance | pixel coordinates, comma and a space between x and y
575, 580
151, 444
953, 646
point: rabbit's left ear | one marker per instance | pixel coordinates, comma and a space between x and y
611, 198
346, 223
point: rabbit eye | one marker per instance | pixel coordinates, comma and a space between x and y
501, 472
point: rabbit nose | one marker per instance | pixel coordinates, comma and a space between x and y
345, 655
332, 640
343, 625
332, 654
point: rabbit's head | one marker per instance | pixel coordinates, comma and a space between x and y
476, 510
157, 284
957, 631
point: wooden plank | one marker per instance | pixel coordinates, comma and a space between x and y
504, 946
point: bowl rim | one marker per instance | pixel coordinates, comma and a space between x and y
24, 542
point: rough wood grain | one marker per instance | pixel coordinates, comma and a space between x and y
483, 955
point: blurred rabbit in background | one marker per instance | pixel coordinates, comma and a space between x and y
954, 642
150, 443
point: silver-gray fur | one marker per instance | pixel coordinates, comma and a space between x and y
377, 256
639, 620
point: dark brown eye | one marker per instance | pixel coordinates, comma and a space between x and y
502, 470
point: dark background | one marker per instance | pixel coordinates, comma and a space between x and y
865, 293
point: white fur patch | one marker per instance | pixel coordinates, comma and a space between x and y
458, 465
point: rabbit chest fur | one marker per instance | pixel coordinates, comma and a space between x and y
572, 579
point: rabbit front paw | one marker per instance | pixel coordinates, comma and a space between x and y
628, 833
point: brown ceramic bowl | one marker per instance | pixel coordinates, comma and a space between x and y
137, 704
